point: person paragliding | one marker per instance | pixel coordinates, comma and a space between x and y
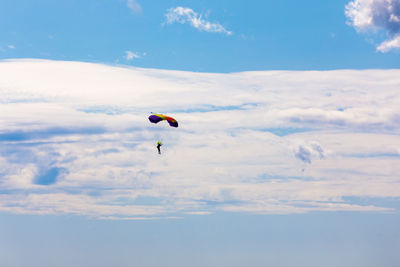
156, 118
159, 144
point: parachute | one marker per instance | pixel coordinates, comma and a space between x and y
156, 118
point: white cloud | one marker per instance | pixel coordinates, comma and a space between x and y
129, 55
134, 6
187, 15
75, 139
11, 46
373, 15
388, 45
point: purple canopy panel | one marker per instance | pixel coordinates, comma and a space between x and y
173, 124
155, 118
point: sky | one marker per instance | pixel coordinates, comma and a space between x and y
241, 36
287, 151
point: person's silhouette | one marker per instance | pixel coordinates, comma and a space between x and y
159, 144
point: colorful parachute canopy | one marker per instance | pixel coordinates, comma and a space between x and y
155, 118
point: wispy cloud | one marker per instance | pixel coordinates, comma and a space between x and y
306, 152
134, 6
373, 15
129, 55
96, 155
8, 47
187, 15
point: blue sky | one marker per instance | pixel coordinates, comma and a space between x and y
288, 35
287, 151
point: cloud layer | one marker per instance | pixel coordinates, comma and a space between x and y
187, 15
75, 139
373, 15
